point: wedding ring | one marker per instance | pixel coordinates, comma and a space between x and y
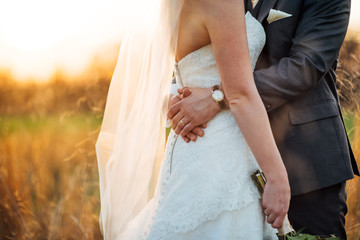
182, 123
267, 214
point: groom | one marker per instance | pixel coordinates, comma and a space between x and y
295, 76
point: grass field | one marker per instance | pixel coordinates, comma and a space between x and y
352, 123
49, 172
49, 176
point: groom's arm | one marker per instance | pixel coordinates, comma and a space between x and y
319, 36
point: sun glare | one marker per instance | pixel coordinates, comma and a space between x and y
38, 36
355, 15
40, 24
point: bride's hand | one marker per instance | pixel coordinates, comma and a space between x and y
276, 200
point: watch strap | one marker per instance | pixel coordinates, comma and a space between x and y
222, 103
215, 87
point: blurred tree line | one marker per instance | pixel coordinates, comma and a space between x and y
87, 92
62, 94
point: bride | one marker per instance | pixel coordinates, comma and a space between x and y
199, 190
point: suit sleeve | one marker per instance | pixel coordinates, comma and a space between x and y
315, 46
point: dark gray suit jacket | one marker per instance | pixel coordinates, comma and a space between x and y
295, 76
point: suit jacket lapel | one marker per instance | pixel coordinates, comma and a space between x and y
265, 8
248, 7
256, 10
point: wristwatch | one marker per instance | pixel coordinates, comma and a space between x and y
219, 97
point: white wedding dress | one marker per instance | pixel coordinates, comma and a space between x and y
205, 190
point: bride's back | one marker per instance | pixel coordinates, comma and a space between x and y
192, 31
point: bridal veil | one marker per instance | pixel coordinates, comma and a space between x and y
132, 136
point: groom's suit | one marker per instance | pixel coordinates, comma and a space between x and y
295, 76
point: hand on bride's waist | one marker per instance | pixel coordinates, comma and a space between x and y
190, 111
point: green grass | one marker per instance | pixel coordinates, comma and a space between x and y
35, 124
349, 120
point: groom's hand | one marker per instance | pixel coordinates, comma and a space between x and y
196, 108
197, 131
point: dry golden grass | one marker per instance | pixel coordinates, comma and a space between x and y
48, 178
48, 169
353, 217
349, 86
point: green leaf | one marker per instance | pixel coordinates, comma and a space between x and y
301, 236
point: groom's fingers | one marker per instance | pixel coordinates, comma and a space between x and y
173, 110
180, 90
186, 92
198, 131
175, 122
186, 139
180, 125
191, 136
173, 100
187, 129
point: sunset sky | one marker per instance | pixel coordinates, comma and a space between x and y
37, 36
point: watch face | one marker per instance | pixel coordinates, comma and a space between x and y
218, 95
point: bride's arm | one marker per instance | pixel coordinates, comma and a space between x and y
225, 23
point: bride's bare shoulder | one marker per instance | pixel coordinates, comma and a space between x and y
209, 7
199, 17
207, 12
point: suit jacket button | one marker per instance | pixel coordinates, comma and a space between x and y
268, 107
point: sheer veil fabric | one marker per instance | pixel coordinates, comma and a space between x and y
132, 136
